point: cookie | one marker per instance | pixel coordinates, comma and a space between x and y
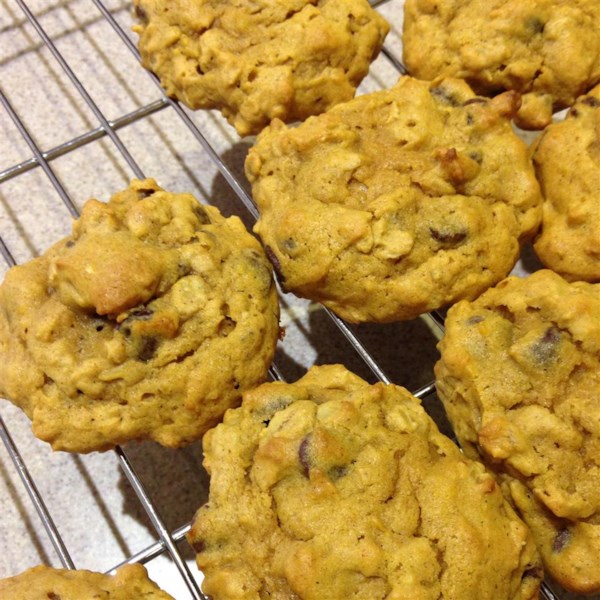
547, 50
44, 583
333, 488
519, 375
146, 323
254, 63
397, 202
567, 161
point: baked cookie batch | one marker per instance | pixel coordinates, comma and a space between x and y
158, 318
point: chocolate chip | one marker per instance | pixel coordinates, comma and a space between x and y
70, 244
144, 313
201, 215
476, 156
591, 101
441, 94
535, 24
275, 262
337, 472
544, 350
148, 346
447, 237
290, 244
303, 455
145, 193
266, 412
475, 319
53, 596
561, 540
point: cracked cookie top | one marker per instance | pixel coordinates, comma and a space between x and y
45, 583
567, 161
256, 61
147, 322
547, 50
333, 488
519, 375
397, 202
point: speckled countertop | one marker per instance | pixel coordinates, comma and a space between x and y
95, 510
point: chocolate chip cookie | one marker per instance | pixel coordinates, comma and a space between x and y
397, 202
147, 322
45, 583
547, 50
257, 61
519, 375
567, 161
333, 488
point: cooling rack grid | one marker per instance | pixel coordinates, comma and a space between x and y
79, 119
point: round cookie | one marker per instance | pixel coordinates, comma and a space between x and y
45, 583
567, 161
287, 59
547, 50
333, 488
519, 375
147, 322
398, 202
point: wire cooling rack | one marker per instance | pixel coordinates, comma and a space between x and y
80, 118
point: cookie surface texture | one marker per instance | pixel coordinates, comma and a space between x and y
567, 160
147, 322
397, 202
519, 376
45, 583
547, 50
333, 488
259, 61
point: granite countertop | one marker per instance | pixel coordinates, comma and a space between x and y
96, 512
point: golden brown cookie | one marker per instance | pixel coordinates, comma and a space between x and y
397, 202
147, 322
547, 50
333, 488
130, 582
519, 376
255, 62
567, 161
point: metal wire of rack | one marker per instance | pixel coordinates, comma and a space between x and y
112, 17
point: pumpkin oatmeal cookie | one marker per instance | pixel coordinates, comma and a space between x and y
567, 161
398, 202
547, 50
259, 61
147, 322
333, 488
519, 375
